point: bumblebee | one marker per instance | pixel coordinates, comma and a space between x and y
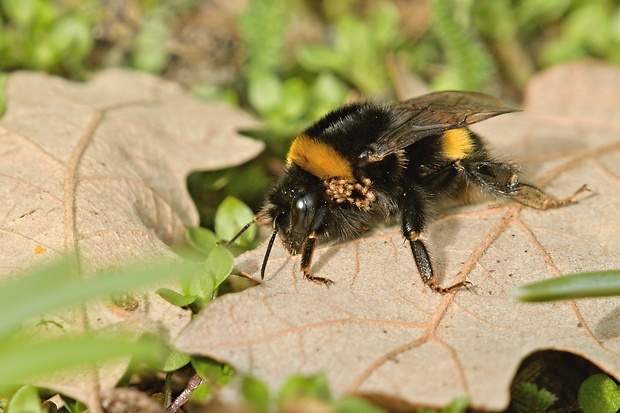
366, 163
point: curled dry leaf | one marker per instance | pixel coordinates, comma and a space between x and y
99, 168
379, 331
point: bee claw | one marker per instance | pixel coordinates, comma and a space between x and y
318, 280
444, 290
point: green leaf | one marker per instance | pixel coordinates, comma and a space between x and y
263, 31
212, 370
317, 58
219, 265
560, 50
385, 25
327, 92
295, 99
25, 359
458, 405
25, 400
4, 77
173, 362
175, 298
149, 52
57, 286
202, 392
201, 239
599, 394
264, 92
355, 405
73, 406
470, 64
230, 217
71, 37
314, 387
41, 55
582, 285
256, 394
21, 12
535, 12
202, 287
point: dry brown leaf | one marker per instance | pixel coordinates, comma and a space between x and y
99, 168
379, 331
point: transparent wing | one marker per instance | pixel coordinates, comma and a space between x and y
434, 113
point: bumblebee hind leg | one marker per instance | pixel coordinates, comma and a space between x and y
502, 179
533, 197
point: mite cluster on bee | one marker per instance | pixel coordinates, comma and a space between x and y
356, 193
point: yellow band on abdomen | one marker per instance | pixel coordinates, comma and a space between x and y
318, 158
457, 143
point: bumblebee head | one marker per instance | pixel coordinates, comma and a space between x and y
297, 206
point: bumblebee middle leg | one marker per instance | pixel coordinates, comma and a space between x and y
502, 179
413, 224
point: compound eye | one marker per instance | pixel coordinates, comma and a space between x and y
303, 212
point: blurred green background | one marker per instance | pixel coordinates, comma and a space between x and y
289, 62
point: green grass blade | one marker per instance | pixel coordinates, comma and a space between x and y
21, 362
591, 284
51, 288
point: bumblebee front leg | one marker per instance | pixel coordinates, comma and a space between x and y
308, 248
503, 180
413, 224
306, 261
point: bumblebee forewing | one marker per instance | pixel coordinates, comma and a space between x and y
435, 113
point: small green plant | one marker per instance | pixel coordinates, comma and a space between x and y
215, 265
599, 394
263, 31
469, 64
149, 52
39, 34
458, 405
290, 105
301, 391
528, 398
578, 40
286, 99
359, 50
216, 261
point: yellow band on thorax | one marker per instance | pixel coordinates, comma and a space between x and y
457, 143
318, 158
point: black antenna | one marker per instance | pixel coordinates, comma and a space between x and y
271, 240
245, 228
